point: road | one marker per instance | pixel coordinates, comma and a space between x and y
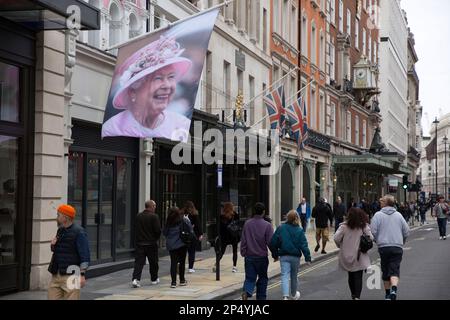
424, 273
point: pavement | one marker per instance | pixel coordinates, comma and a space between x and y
202, 284
424, 273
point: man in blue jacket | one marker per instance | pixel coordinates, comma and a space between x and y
304, 211
70, 258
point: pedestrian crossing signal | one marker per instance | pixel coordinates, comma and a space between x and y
405, 183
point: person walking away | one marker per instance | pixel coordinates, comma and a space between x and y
423, 208
256, 236
390, 232
351, 259
288, 244
322, 214
230, 232
441, 212
331, 209
190, 212
175, 224
304, 211
147, 233
70, 249
339, 212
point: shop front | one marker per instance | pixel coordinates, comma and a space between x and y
103, 182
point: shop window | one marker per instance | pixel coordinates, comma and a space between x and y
9, 93
8, 198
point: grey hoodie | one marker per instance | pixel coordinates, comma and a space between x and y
389, 228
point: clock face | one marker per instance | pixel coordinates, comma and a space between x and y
361, 74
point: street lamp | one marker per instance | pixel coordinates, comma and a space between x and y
436, 122
445, 166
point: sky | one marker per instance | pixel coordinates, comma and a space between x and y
430, 22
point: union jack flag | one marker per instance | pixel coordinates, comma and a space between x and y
275, 102
298, 120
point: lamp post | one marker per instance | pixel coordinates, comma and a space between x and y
445, 166
436, 122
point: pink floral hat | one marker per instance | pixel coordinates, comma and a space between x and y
155, 56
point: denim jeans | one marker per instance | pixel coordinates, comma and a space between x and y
256, 275
289, 271
442, 223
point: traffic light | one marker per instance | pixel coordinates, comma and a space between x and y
405, 183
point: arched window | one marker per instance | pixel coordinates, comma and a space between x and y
135, 28
114, 24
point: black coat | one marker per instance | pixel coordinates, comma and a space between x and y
339, 211
195, 221
148, 228
322, 214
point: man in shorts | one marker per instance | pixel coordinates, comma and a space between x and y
322, 214
390, 231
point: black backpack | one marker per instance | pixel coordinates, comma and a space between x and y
186, 235
235, 229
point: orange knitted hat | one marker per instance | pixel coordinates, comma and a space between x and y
67, 210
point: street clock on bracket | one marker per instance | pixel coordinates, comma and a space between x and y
363, 75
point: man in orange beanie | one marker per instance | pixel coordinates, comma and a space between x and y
71, 257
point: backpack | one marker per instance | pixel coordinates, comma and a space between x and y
186, 235
235, 230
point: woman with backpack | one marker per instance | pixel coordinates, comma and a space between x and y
178, 232
230, 232
190, 212
354, 239
289, 243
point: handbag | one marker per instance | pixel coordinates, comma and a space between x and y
186, 235
365, 244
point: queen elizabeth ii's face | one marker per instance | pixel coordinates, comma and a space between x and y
156, 91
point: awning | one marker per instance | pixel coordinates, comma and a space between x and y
372, 162
49, 14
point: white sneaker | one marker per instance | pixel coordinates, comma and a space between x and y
136, 283
156, 282
234, 270
285, 298
444, 238
297, 296
440, 238
191, 271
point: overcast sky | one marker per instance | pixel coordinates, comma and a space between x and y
430, 22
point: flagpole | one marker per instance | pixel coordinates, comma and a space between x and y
264, 118
220, 5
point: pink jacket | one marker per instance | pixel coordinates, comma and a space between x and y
347, 240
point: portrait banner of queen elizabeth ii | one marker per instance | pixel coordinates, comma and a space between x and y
156, 80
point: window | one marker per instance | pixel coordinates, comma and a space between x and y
313, 110
333, 11
333, 119
364, 134
227, 85
285, 25
304, 34
134, 28
357, 130
349, 126
370, 48
364, 42
357, 34
276, 13
251, 83
264, 39
341, 16
332, 62
322, 51
264, 123
349, 23
9, 93
313, 44
322, 117
293, 33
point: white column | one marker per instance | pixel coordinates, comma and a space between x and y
146, 153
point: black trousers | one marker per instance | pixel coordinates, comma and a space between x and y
143, 252
304, 221
178, 257
355, 282
235, 251
191, 253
